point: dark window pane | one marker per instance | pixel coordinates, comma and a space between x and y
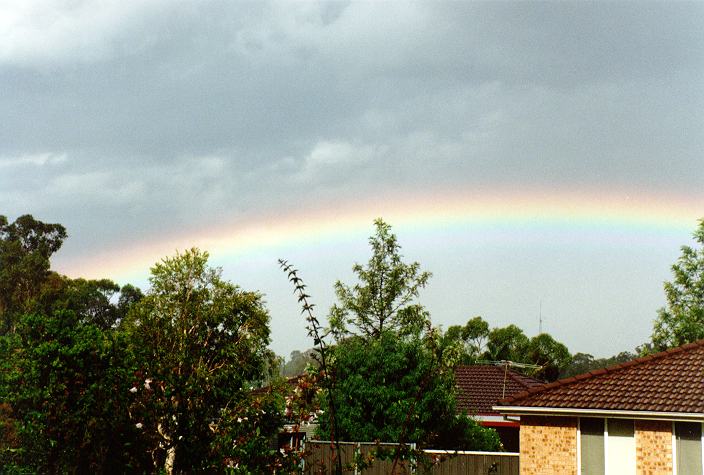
621, 428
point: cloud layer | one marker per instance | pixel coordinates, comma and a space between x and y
127, 120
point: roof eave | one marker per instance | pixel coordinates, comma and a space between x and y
613, 413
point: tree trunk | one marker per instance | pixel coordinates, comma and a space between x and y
170, 460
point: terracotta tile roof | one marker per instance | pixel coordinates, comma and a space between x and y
671, 381
479, 387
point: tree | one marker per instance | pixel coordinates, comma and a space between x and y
551, 355
581, 363
65, 384
393, 377
397, 390
384, 298
25, 248
682, 319
201, 342
299, 362
471, 339
508, 343
62, 370
584, 362
511, 344
91, 300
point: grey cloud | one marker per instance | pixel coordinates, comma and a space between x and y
197, 111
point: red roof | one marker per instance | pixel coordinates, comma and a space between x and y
479, 387
671, 381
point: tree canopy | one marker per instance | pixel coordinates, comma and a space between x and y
471, 339
26, 246
98, 378
393, 379
397, 390
385, 296
201, 342
477, 343
682, 319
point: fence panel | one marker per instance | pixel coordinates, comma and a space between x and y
470, 463
319, 461
381, 466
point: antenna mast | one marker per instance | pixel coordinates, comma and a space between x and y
540, 318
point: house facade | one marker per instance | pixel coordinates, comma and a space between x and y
640, 417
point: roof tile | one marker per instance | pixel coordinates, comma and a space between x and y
481, 386
671, 381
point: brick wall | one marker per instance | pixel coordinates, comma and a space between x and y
548, 445
653, 447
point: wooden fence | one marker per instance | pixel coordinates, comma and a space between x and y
319, 461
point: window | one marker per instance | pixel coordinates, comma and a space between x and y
606, 446
688, 448
621, 448
591, 439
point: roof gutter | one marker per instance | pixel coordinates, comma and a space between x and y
567, 411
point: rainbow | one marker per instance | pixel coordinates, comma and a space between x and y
618, 212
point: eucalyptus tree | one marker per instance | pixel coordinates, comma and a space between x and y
26, 245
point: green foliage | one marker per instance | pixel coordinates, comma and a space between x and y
25, 248
242, 441
91, 300
507, 343
392, 373
551, 355
389, 387
470, 339
682, 320
95, 378
584, 362
511, 344
201, 341
65, 387
384, 298
476, 343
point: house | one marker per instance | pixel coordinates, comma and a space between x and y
479, 387
640, 417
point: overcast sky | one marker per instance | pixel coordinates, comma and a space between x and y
131, 121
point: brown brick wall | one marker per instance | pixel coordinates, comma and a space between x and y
653, 447
548, 445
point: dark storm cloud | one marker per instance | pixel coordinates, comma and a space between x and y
163, 115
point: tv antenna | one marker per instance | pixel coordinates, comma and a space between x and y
506, 364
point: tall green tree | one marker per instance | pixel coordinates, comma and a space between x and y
682, 319
298, 363
26, 246
393, 377
385, 296
201, 342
